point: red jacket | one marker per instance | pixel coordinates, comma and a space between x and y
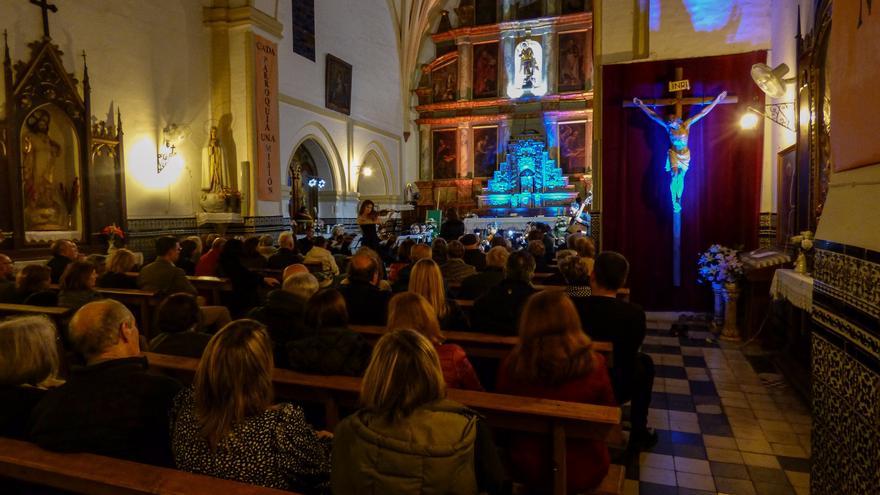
207, 265
586, 460
457, 370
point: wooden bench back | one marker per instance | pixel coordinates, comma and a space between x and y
99, 475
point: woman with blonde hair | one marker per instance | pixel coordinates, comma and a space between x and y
426, 280
554, 360
227, 426
412, 311
408, 438
119, 263
29, 365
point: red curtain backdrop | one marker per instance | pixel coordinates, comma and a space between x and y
721, 202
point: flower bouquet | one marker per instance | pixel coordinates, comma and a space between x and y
112, 233
719, 265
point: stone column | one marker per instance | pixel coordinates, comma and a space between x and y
464, 149
508, 75
465, 69
425, 165
551, 131
549, 42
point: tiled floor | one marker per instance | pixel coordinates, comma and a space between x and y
724, 427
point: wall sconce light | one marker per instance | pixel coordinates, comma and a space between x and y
367, 171
776, 112
172, 136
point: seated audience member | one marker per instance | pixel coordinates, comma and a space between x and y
228, 426
607, 318
28, 367
286, 254
293, 270
577, 278
541, 232
479, 284
306, 243
246, 284
163, 275
427, 282
418, 252
402, 260
200, 246
319, 255
555, 360
409, 310
455, 269
536, 249
179, 327
473, 255
452, 228
119, 264
406, 420
266, 246
329, 347
250, 256
207, 265
367, 305
556, 277
586, 250
499, 240
208, 241
112, 406
63, 252
77, 287
380, 265
498, 311
284, 313
439, 250
188, 251
32, 287
7, 279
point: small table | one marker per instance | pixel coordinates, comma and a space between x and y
796, 288
790, 326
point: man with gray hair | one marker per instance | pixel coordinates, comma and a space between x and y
479, 284
287, 254
111, 406
284, 313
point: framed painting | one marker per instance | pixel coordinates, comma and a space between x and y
572, 61
445, 154
573, 147
486, 70
444, 83
337, 85
786, 195
485, 151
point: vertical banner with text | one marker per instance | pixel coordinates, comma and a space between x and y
268, 146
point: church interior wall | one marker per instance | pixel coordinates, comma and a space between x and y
156, 71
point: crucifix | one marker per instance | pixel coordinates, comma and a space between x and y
678, 158
45, 6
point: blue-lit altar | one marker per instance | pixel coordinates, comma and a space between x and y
528, 182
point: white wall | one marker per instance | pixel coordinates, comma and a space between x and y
149, 59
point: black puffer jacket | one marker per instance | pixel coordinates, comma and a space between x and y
284, 315
330, 351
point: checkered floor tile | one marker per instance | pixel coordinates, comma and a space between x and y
721, 428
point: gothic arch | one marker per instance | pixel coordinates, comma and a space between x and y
382, 158
314, 132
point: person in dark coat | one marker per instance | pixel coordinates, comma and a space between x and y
78, 285
287, 254
188, 248
112, 406
497, 312
473, 255
606, 318
63, 252
418, 252
367, 305
246, 284
284, 313
479, 284
330, 347
32, 287
452, 228
30, 362
179, 327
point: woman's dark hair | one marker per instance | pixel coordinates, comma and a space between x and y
404, 249
452, 214
76, 276
178, 313
326, 309
364, 207
230, 257
250, 247
187, 248
33, 278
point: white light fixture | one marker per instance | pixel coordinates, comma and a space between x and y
367, 171
771, 81
749, 120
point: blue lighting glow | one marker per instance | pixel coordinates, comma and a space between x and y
709, 15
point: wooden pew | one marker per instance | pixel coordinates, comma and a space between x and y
475, 344
212, 285
99, 475
558, 420
58, 314
145, 301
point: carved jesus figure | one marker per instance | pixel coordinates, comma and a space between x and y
678, 159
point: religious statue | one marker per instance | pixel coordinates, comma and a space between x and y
678, 159
215, 175
527, 61
39, 152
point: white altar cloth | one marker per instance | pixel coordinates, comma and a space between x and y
515, 223
796, 287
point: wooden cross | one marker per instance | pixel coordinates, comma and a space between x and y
679, 101
45, 6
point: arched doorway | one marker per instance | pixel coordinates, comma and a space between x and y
306, 179
371, 177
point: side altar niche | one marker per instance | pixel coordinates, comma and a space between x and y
528, 182
61, 170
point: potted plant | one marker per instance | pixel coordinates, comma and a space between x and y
720, 266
